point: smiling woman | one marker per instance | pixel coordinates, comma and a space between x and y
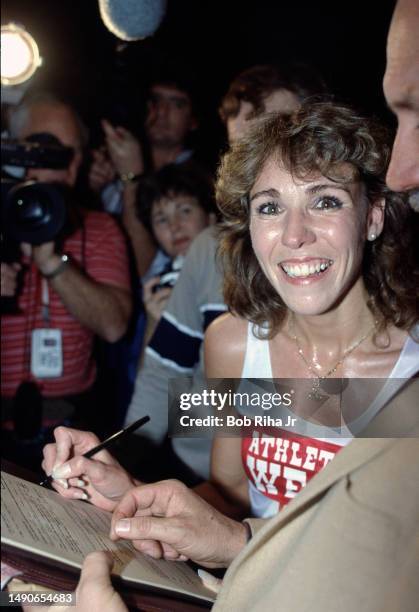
310, 233
307, 192
321, 284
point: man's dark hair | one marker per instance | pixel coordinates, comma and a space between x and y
179, 75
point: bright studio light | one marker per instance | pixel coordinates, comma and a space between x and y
19, 55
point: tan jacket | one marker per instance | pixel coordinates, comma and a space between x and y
349, 541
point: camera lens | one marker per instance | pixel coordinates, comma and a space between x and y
30, 208
35, 212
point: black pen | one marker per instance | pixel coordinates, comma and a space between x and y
107, 443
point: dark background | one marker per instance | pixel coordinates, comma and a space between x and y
104, 77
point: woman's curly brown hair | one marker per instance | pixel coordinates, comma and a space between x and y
317, 138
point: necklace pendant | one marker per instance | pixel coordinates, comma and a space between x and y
315, 393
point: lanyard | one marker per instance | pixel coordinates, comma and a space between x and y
45, 287
45, 301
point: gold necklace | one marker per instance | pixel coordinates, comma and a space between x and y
315, 393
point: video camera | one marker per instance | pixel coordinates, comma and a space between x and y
31, 211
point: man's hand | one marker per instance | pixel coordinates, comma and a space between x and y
102, 308
166, 519
101, 171
44, 256
124, 149
9, 272
101, 479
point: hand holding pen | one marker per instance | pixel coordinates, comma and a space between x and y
81, 467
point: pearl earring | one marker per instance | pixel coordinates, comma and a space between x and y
372, 236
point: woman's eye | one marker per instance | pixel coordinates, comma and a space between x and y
185, 210
328, 203
269, 208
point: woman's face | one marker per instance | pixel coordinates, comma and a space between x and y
176, 221
309, 236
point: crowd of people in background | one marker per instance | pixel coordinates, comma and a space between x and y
158, 197
295, 260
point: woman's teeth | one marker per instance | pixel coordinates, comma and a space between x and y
306, 269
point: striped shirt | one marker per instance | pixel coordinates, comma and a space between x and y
176, 349
105, 261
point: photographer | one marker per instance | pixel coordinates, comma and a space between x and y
70, 289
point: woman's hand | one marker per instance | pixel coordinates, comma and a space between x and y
124, 149
166, 519
101, 480
155, 302
95, 592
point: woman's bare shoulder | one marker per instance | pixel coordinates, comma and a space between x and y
225, 346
